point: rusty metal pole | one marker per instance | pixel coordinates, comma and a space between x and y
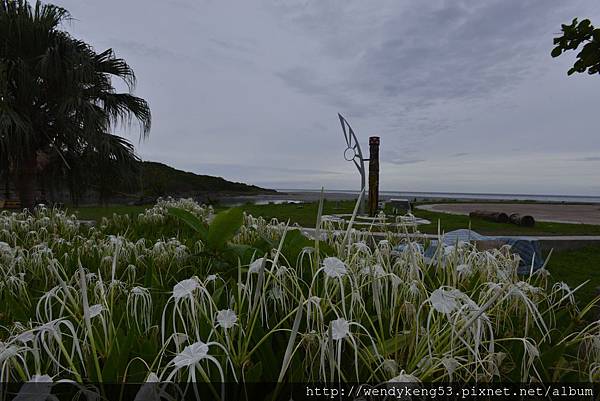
373, 175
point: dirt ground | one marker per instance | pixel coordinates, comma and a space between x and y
583, 214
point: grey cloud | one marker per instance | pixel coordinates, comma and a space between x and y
405, 161
232, 167
309, 82
424, 55
150, 50
230, 45
251, 92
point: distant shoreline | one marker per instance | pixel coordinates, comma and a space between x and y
294, 195
464, 195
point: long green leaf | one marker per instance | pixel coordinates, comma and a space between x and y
223, 228
287, 358
194, 222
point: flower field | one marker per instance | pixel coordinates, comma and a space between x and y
183, 294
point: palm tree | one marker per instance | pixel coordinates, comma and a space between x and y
56, 94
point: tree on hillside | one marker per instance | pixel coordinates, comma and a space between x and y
57, 99
573, 36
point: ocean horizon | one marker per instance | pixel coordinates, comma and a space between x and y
465, 195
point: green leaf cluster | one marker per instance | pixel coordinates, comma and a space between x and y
574, 35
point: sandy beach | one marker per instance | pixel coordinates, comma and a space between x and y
559, 213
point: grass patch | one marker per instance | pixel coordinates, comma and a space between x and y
576, 266
305, 215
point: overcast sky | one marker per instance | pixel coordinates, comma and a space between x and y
463, 93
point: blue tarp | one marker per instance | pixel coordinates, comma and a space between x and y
528, 249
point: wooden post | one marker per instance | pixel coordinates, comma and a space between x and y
373, 175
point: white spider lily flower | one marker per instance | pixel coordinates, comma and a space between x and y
139, 291
526, 288
37, 388
404, 377
334, 267
414, 290
152, 378
226, 318
25, 337
4, 247
450, 364
276, 292
150, 390
49, 337
7, 351
180, 252
443, 301
159, 247
211, 277
179, 338
376, 271
464, 269
191, 355
494, 287
185, 288
139, 307
90, 277
95, 310
314, 300
41, 379
361, 246
531, 353
390, 366
256, 266
115, 240
308, 249
340, 328
396, 281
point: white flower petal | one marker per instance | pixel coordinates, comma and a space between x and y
95, 310
339, 328
334, 267
443, 301
185, 288
256, 266
191, 355
226, 318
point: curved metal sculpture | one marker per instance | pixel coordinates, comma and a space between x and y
354, 154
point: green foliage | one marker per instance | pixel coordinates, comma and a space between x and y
464, 315
575, 266
217, 236
223, 228
574, 35
199, 226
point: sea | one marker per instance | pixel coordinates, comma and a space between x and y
468, 196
